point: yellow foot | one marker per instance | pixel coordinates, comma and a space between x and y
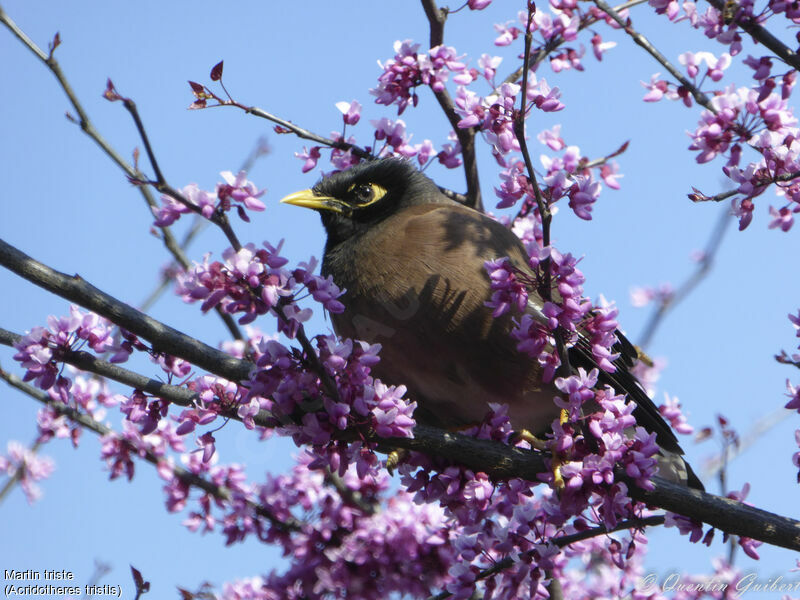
540, 444
523, 435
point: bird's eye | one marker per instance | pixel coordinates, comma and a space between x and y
364, 194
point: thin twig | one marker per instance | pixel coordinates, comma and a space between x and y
783, 178
15, 477
88, 128
687, 287
466, 136
289, 127
541, 203
304, 134
642, 41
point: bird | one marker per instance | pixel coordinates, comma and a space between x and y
412, 263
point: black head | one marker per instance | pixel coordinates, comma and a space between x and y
363, 196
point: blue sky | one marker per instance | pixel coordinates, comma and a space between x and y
64, 203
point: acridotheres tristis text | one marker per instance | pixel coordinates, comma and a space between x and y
412, 262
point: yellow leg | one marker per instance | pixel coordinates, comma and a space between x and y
558, 480
540, 444
526, 436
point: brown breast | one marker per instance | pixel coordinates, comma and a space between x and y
417, 285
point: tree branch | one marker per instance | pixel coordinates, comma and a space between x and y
218, 491
466, 137
495, 459
697, 196
759, 34
502, 462
688, 286
162, 337
541, 203
642, 41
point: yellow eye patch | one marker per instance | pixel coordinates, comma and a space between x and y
364, 194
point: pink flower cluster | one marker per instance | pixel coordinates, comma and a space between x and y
759, 117
398, 548
494, 114
235, 191
40, 352
390, 138
491, 521
409, 69
90, 396
253, 281
119, 449
565, 176
27, 467
568, 309
671, 411
300, 406
508, 289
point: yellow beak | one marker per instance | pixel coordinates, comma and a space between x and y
307, 199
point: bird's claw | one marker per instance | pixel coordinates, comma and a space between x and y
540, 444
523, 435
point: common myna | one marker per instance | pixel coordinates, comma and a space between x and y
412, 262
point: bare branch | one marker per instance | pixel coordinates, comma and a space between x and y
88, 128
687, 287
642, 41
541, 203
162, 337
466, 137
304, 134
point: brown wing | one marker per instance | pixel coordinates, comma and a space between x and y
417, 284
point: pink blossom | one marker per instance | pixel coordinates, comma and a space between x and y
351, 112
